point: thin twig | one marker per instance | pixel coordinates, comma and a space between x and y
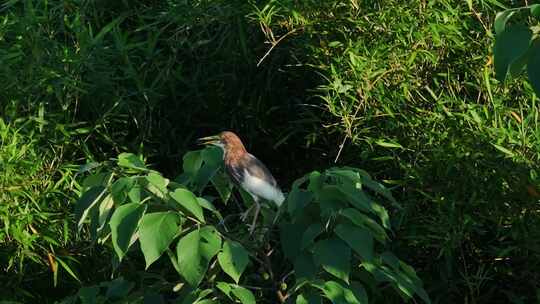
274, 45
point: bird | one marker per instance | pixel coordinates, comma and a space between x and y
246, 171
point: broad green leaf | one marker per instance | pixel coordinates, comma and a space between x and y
131, 161
135, 193
189, 201
510, 45
213, 156
334, 256
316, 180
192, 161
105, 211
290, 236
535, 10
359, 239
98, 179
118, 288
124, 223
359, 292
297, 200
222, 185
120, 189
88, 295
331, 199
311, 233
305, 268
308, 298
244, 295
190, 262
226, 288
205, 173
156, 232
338, 293
210, 243
533, 65
362, 220
89, 199
206, 204
158, 181
233, 259
501, 19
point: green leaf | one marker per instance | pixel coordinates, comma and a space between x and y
311, 233
359, 292
213, 156
359, 239
504, 150
535, 10
222, 185
233, 259
135, 193
104, 212
337, 293
290, 234
118, 288
124, 223
88, 295
189, 201
334, 256
120, 189
331, 199
206, 204
510, 45
158, 181
533, 66
297, 200
86, 202
308, 298
156, 232
190, 262
131, 161
192, 162
305, 268
210, 242
244, 295
501, 19
388, 144
362, 220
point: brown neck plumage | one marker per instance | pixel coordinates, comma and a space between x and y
234, 148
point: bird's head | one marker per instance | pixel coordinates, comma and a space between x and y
226, 140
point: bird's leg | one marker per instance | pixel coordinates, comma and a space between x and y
257, 210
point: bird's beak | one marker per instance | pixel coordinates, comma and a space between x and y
209, 140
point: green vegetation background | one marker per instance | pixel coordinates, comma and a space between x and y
402, 89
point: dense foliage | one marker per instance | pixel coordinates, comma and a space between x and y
409, 91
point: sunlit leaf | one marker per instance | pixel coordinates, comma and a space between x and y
89, 199
124, 223
233, 259
501, 19
131, 161
244, 295
156, 232
188, 200
190, 262
338, 294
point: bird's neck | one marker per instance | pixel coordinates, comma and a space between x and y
233, 154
